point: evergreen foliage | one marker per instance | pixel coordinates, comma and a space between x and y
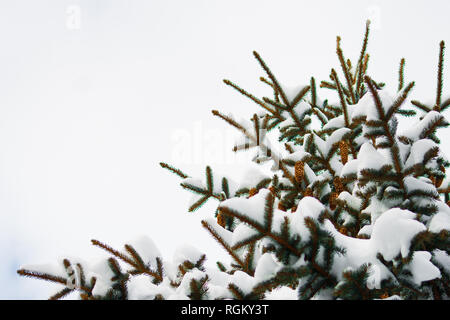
354, 209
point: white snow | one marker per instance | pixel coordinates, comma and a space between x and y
244, 281
278, 220
101, 287
358, 252
441, 220
325, 146
370, 158
366, 106
366, 230
393, 232
184, 287
242, 232
141, 288
352, 201
282, 293
251, 178
307, 207
334, 124
252, 207
414, 131
418, 150
301, 108
186, 252
421, 267
298, 155
147, 249
350, 168
443, 258
267, 267
310, 207
414, 184
337, 136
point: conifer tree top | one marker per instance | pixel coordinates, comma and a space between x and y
353, 207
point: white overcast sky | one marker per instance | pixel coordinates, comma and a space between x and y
95, 93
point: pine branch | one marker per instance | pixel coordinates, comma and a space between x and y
237, 293
272, 78
399, 101
313, 92
61, 294
401, 74
42, 276
303, 91
230, 121
421, 106
440, 82
395, 152
261, 229
348, 76
139, 267
222, 242
341, 97
174, 170
252, 138
363, 60
249, 95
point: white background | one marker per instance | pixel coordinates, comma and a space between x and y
95, 93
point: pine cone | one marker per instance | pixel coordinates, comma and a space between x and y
343, 146
221, 220
333, 202
339, 187
299, 171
